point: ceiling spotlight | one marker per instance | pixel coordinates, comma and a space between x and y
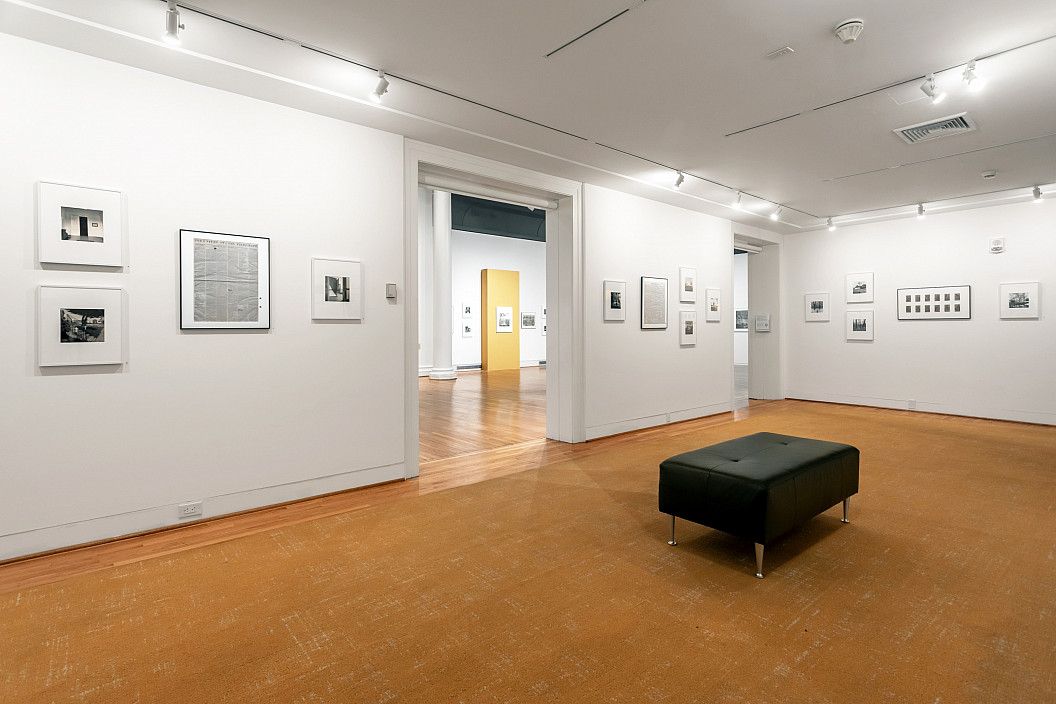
848, 30
928, 87
381, 89
1037, 194
832, 225
971, 78
680, 179
920, 211
773, 215
172, 25
737, 203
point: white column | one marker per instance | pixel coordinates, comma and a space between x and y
442, 366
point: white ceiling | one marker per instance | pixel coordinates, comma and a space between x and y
669, 84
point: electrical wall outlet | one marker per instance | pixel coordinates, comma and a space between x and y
911, 405
192, 509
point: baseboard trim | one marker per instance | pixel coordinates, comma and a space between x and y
982, 412
626, 426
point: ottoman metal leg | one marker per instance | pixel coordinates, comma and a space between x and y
672, 541
846, 504
759, 560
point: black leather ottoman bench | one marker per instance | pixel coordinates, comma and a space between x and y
758, 487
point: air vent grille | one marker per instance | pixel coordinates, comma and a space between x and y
944, 127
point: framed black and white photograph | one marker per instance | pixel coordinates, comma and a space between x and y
503, 318
225, 281
469, 328
469, 309
542, 327
337, 289
934, 303
712, 305
860, 287
527, 320
762, 323
654, 303
80, 225
860, 325
816, 307
615, 300
78, 326
687, 285
1020, 300
740, 319
687, 328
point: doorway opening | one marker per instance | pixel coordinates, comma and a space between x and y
741, 369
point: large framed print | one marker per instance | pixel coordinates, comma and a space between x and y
337, 289
712, 300
77, 325
687, 328
859, 325
1020, 300
816, 307
860, 287
654, 303
615, 300
80, 225
935, 303
687, 285
225, 281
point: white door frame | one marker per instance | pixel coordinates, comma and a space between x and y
565, 388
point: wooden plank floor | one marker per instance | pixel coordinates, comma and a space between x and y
491, 458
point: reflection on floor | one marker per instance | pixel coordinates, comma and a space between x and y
480, 410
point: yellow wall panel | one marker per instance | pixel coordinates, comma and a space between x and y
500, 350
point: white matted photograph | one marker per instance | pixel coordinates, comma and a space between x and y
654, 303
469, 309
225, 281
860, 287
528, 320
860, 325
503, 318
1020, 300
712, 303
687, 328
935, 303
762, 323
79, 325
816, 307
615, 300
469, 328
337, 289
687, 285
80, 225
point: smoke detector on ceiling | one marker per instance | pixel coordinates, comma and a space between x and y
848, 30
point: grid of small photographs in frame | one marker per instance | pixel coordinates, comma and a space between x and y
935, 303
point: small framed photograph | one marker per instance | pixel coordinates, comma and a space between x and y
762, 323
225, 281
741, 319
80, 225
687, 285
1020, 300
816, 307
687, 328
503, 318
615, 300
860, 287
79, 326
712, 303
469, 310
337, 289
527, 320
542, 324
939, 303
469, 328
654, 303
860, 325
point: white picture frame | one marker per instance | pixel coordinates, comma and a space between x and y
816, 307
615, 300
713, 305
528, 319
860, 325
469, 328
80, 326
740, 320
860, 287
542, 330
80, 225
934, 303
687, 284
469, 310
654, 303
687, 328
337, 289
503, 318
1019, 301
762, 322
241, 298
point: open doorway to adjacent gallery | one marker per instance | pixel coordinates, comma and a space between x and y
741, 369
482, 320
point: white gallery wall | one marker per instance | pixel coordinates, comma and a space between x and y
235, 419
639, 378
984, 366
